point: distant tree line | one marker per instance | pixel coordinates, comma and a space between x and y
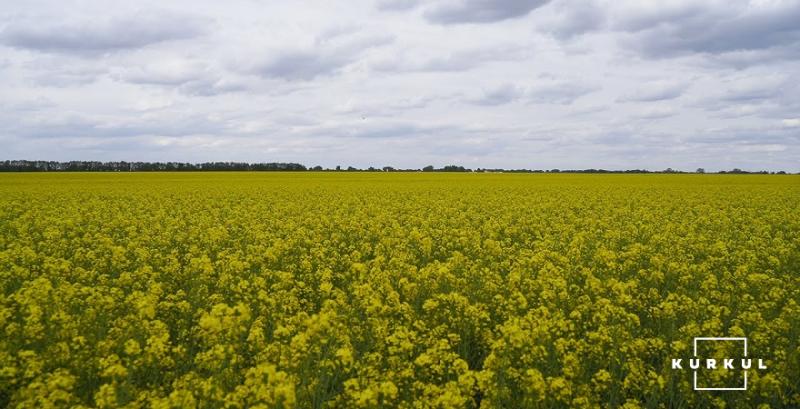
94, 166
122, 166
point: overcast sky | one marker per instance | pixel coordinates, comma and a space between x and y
506, 83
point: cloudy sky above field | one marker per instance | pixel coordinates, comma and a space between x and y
505, 83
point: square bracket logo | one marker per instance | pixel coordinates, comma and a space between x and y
711, 339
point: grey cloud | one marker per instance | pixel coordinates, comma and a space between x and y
374, 130
374, 108
748, 27
614, 138
638, 16
480, 11
390, 131
102, 35
758, 96
572, 18
322, 60
304, 65
295, 120
54, 71
173, 72
336, 33
31, 105
559, 92
656, 91
396, 5
501, 95
471, 58
189, 77
765, 135
213, 86
725, 29
468, 148
67, 77
655, 113
742, 59
751, 92
461, 60
419, 102
738, 32
82, 126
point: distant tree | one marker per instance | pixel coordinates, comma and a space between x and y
428, 168
554, 171
388, 169
454, 168
700, 170
317, 168
338, 168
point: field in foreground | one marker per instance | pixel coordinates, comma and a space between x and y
315, 290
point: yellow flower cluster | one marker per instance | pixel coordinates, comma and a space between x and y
331, 290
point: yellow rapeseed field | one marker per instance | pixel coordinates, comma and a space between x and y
409, 290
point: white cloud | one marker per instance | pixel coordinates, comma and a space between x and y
512, 83
656, 91
91, 35
479, 11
